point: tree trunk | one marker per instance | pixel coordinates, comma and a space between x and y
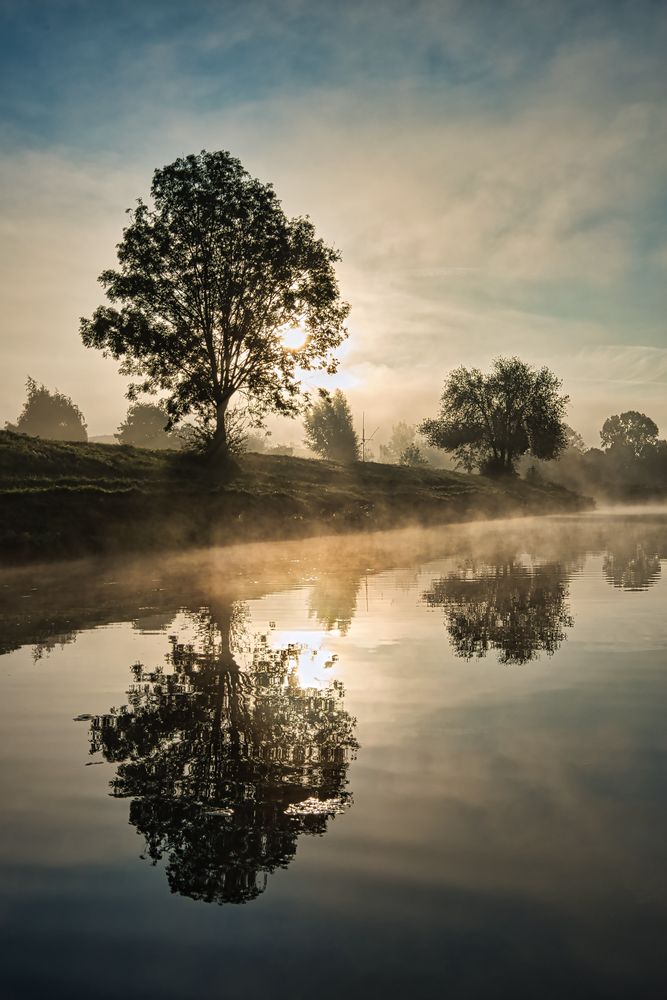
219, 456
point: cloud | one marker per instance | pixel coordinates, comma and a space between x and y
487, 198
631, 365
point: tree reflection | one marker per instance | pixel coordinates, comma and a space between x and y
333, 600
631, 565
226, 764
520, 610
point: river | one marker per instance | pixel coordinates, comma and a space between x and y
415, 764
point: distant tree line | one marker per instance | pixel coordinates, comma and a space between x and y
630, 464
54, 416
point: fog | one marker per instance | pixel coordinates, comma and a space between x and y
65, 597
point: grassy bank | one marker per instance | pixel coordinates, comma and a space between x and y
69, 499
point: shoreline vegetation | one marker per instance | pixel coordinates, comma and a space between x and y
64, 499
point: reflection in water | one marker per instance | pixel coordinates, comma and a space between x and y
507, 827
631, 566
519, 609
333, 600
49, 607
227, 764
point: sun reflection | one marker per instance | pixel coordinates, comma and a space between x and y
311, 659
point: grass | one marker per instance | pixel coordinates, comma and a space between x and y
29, 462
61, 498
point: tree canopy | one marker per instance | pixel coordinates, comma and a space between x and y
632, 430
505, 605
227, 764
145, 427
49, 415
412, 456
329, 429
402, 436
632, 466
573, 440
489, 420
212, 278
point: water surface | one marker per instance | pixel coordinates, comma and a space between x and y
414, 764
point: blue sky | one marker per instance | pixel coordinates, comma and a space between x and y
492, 172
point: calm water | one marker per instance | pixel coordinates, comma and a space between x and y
413, 765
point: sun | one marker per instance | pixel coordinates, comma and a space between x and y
294, 337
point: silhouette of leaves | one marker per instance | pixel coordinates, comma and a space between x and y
519, 610
227, 765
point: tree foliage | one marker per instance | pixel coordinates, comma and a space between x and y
405, 445
329, 429
632, 466
226, 763
573, 440
518, 610
402, 436
145, 427
210, 277
49, 415
489, 420
632, 430
412, 456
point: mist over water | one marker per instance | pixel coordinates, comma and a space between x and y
411, 764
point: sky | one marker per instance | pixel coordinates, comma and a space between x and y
493, 173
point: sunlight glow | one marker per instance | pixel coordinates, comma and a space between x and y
313, 660
294, 337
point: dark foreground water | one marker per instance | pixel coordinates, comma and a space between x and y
416, 765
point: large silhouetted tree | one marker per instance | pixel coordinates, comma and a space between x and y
329, 428
210, 278
520, 610
227, 762
489, 420
49, 415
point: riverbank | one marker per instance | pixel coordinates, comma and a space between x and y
60, 499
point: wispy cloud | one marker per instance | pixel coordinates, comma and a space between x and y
495, 183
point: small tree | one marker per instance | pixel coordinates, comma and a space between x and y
574, 440
145, 427
402, 435
630, 430
49, 415
489, 420
412, 456
329, 429
211, 279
